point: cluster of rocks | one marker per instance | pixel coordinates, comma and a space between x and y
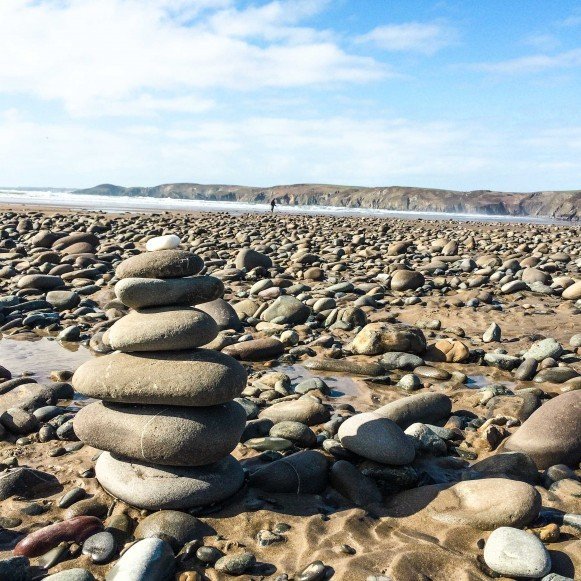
167, 422
414, 314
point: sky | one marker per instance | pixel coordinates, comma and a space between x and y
454, 94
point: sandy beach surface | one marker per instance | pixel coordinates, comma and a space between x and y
482, 317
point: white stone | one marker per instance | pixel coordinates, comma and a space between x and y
147, 560
516, 553
168, 242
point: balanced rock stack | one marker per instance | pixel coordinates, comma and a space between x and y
166, 422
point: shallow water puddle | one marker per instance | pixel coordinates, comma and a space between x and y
343, 387
480, 381
37, 358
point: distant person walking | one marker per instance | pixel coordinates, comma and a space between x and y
272, 205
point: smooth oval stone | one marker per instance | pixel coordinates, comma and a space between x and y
555, 375
432, 372
376, 438
304, 410
255, 349
222, 312
287, 309
42, 540
552, 434
167, 242
515, 553
147, 560
235, 564
543, 349
72, 496
298, 433
178, 528
167, 487
160, 264
100, 547
425, 408
162, 329
247, 258
200, 377
40, 281
151, 292
167, 435
482, 504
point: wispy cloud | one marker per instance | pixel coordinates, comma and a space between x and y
533, 63
420, 37
574, 19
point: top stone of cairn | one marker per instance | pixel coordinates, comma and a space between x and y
167, 242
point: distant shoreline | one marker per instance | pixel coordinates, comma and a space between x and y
54, 200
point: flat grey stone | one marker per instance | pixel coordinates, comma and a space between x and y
166, 435
160, 264
151, 292
200, 377
168, 487
162, 329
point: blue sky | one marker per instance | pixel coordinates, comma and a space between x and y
459, 94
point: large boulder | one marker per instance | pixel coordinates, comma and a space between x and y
552, 434
378, 338
482, 504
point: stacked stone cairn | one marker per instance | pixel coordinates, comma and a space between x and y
166, 423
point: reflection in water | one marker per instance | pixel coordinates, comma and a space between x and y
342, 386
39, 357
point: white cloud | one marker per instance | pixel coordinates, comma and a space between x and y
533, 63
422, 37
85, 52
270, 150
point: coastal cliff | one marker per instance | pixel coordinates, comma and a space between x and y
564, 205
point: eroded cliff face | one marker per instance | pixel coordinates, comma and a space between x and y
552, 204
